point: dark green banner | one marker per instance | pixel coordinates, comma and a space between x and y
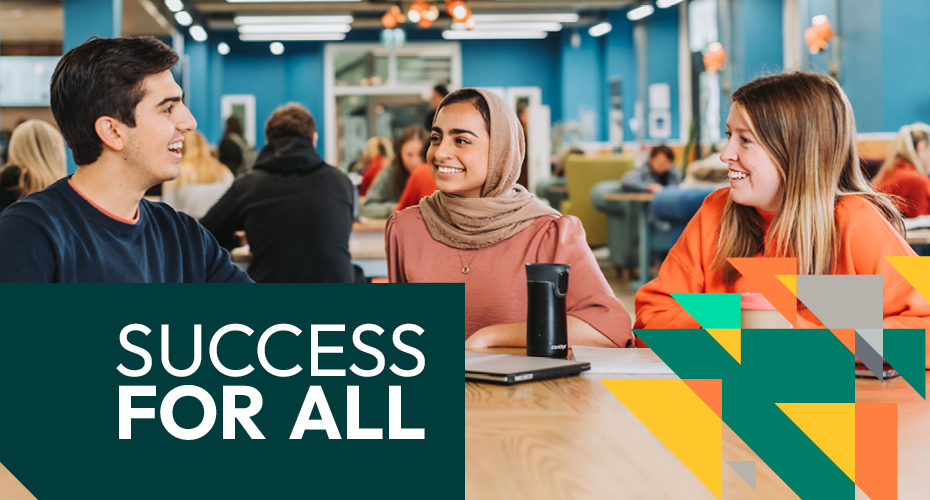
299, 391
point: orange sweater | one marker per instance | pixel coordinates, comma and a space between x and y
914, 187
375, 164
865, 236
419, 185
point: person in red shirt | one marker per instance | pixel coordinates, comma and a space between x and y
420, 184
378, 153
905, 171
795, 190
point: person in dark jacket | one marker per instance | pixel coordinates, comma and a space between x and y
654, 175
295, 209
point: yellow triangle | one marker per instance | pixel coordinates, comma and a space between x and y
831, 426
730, 339
916, 270
790, 281
681, 421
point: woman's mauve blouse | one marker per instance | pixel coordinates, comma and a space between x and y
495, 286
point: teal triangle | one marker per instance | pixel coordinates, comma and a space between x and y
746, 470
712, 310
905, 351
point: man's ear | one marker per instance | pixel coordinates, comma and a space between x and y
109, 130
316, 135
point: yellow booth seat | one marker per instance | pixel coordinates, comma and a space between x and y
581, 174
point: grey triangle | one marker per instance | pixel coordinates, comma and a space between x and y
746, 470
871, 359
875, 338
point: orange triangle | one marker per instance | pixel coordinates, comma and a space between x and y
762, 274
847, 337
710, 391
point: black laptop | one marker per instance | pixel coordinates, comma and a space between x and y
511, 369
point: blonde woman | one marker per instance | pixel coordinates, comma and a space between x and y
202, 181
905, 171
36, 161
795, 191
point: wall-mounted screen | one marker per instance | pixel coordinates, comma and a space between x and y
24, 80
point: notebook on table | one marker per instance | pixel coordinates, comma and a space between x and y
511, 369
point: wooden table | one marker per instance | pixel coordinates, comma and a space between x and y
572, 439
639, 204
366, 244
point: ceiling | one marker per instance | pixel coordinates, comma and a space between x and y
41, 20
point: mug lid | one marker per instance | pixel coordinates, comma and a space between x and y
755, 302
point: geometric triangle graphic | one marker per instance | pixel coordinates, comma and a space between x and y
831, 426
905, 351
762, 275
729, 339
847, 336
843, 301
681, 420
874, 337
712, 310
869, 357
877, 450
710, 392
11, 488
746, 470
790, 281
916, 270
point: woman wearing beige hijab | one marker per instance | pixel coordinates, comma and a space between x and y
481, 227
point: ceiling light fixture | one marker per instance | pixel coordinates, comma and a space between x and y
291, 1
174, 5
198, 33
600, 29
292, 37
293, 19
535, 18
295, 28
664, 4
277, 48
511, 26
492, 34
641, 12
183, 18
392, 17
223, 48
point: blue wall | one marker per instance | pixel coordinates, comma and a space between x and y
905, 63
620, 60
662, 66
861, 61
757, 35
582, 76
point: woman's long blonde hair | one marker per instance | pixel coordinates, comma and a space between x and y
37, 148
376, 146
805, 123
904, 147
198, 166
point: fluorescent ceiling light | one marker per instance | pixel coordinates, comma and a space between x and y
293, 19
492, 34
600, 29
277, 48
640, 12
183, 18
174, 5
293, 1
525, 18
198, 33
664, 4
223, 48
538, 26
292, 37
295, 28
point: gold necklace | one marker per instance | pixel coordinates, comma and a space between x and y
465, 268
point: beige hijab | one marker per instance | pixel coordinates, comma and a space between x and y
505, 208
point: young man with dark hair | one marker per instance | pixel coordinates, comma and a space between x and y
295, 209
655, 174
439, 92
120, 111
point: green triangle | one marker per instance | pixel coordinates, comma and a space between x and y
905, 351
712, 310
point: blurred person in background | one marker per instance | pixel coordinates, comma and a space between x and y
657, 173
378, 153
439, 92
295, 209
202, 181
235, 151
36, 161
904, 172
388, 186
